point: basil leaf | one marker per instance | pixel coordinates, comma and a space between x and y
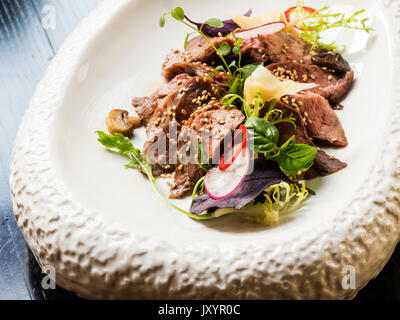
178, 13
214, 22
264, 135
295, 158
224, 49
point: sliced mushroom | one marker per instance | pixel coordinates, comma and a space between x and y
119, 121
330, 59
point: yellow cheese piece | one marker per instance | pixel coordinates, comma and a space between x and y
262, 81
252, 22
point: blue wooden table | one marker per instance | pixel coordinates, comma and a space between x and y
31, 32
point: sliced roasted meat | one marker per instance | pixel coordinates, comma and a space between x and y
278, 47
332, 86
195, 69
185, 179
198, 50
145, 107
190, 68
330, 59
174, 110
210, 124
336, 91
254, 50
287, 130
323, 163
320, 120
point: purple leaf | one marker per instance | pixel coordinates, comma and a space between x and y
229, 26
265, 174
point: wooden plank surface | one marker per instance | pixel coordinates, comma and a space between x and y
26, 48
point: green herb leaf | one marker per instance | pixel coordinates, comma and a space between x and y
162, 21
234, 85
203, 162
236, 49
258, 103
198, 188
247, 70
295, 158
224, 49
228, 99
214, 22
220, 68
281, 198
178, 13
264, 135
124, 146
232, 64
315, 23
276, 116
187, 39
116, 142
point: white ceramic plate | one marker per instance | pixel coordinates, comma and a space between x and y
107, 234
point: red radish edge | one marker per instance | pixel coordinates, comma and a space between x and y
236, 149
273, 26
288, 12
240, 182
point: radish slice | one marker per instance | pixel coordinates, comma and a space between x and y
221, 184
223, 165
268, 28
293, 19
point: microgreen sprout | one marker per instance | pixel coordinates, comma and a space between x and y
223, 50
314, 23
123, 146
237, 73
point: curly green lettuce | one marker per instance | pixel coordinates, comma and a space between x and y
280, 199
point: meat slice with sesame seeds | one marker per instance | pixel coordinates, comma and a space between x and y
145, 106
321, 122
198, 50
253, 50
195, 69
277, 47
169, 115
332, 86
201, 50
324, 164
283, 51
213, 123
